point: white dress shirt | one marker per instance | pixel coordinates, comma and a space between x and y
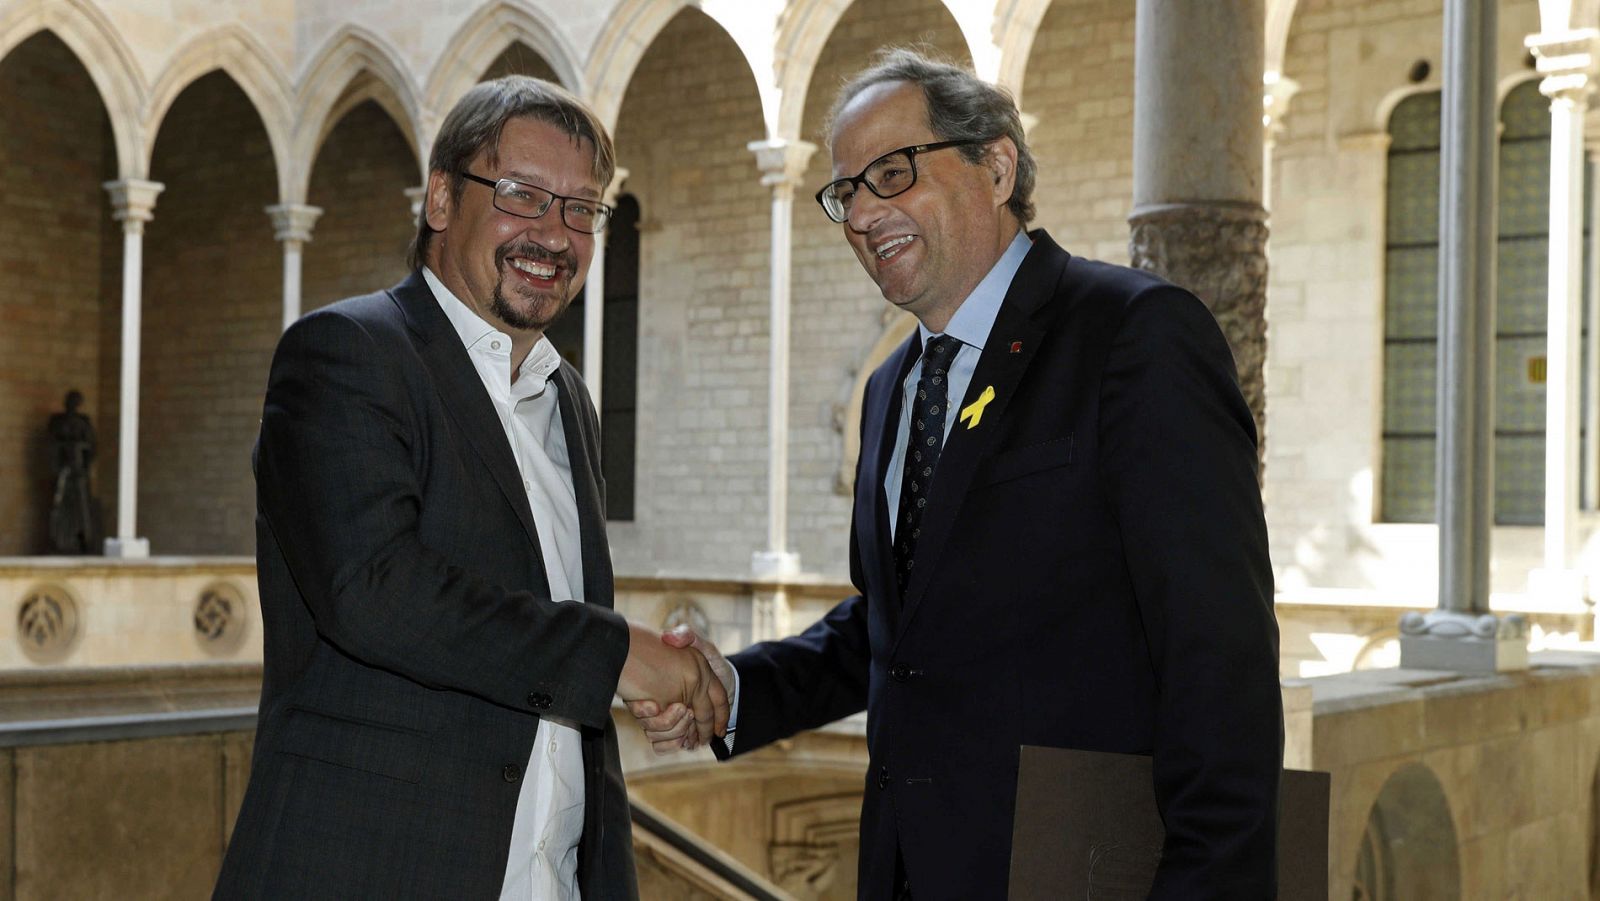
543, 864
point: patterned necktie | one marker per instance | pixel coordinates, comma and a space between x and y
924, 440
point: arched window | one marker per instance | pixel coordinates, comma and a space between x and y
1411, 327
1411, 315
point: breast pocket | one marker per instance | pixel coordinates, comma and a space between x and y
1020, 462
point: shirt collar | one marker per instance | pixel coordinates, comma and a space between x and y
975, 317
474, 330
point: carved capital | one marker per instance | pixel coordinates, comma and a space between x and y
293, 221
1566, 60
133, 202
1278, 91
782, 163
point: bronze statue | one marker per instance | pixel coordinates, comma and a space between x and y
74, 513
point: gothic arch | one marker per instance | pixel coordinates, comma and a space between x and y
801, 37
1016, 24
481, 40
103, 54
628, 35
238, 55
354, 66
1280, 14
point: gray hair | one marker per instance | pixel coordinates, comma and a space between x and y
475, 123
961, 107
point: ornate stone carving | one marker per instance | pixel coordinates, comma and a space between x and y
1218, 251
683, 610
47, 623
1483, 627
219, 617
803, 870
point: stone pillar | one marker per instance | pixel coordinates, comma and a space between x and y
416, 196
1564, 59
1274, 106
782, 164
1461, 634
133, 203
292, 224
1197, 147
1591, 409
594, 305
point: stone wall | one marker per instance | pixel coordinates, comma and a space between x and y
690, 109
1324, 378
55, 149
1079, 83
213, 308
360, 241
838, 314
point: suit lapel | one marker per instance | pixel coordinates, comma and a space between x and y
581, 440
1018, 330
880, 414
462, 392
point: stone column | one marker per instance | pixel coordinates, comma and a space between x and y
782, 164
292, 224
1564, 59
1274, 106
594, 304
1591, 409
1461, 634
1197, 149
133, 203
416, 196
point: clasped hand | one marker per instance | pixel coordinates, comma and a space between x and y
671, 676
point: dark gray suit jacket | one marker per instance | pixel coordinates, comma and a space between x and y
411, 641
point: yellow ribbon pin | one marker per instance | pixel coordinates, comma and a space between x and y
974, 410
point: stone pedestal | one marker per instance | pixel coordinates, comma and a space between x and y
1464, 642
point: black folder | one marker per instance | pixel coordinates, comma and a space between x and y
1087, 828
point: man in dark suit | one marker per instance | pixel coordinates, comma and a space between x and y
1057, 534
436, 589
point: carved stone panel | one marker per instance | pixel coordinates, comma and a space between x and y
220, 618
47, 623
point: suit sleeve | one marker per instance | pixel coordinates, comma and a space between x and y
1179, 463
808, 680
338, 479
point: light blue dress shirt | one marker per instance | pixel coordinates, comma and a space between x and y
971, 325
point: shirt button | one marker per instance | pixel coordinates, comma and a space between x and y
511, 772
527, 485
900, 671
552, 747
541, 844
494, 345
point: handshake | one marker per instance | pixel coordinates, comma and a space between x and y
678, 685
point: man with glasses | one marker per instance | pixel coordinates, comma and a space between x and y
1057, 535
436, 589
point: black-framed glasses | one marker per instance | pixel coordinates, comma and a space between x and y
531, 201
888, 175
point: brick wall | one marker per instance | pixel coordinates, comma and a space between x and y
838, 313
360, 177
213, 301
55, 229
689, 111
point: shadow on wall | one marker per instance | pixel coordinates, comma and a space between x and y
1409, 847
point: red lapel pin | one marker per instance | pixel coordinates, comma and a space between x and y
1016, 347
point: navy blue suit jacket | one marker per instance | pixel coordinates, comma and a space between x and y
1092, 574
